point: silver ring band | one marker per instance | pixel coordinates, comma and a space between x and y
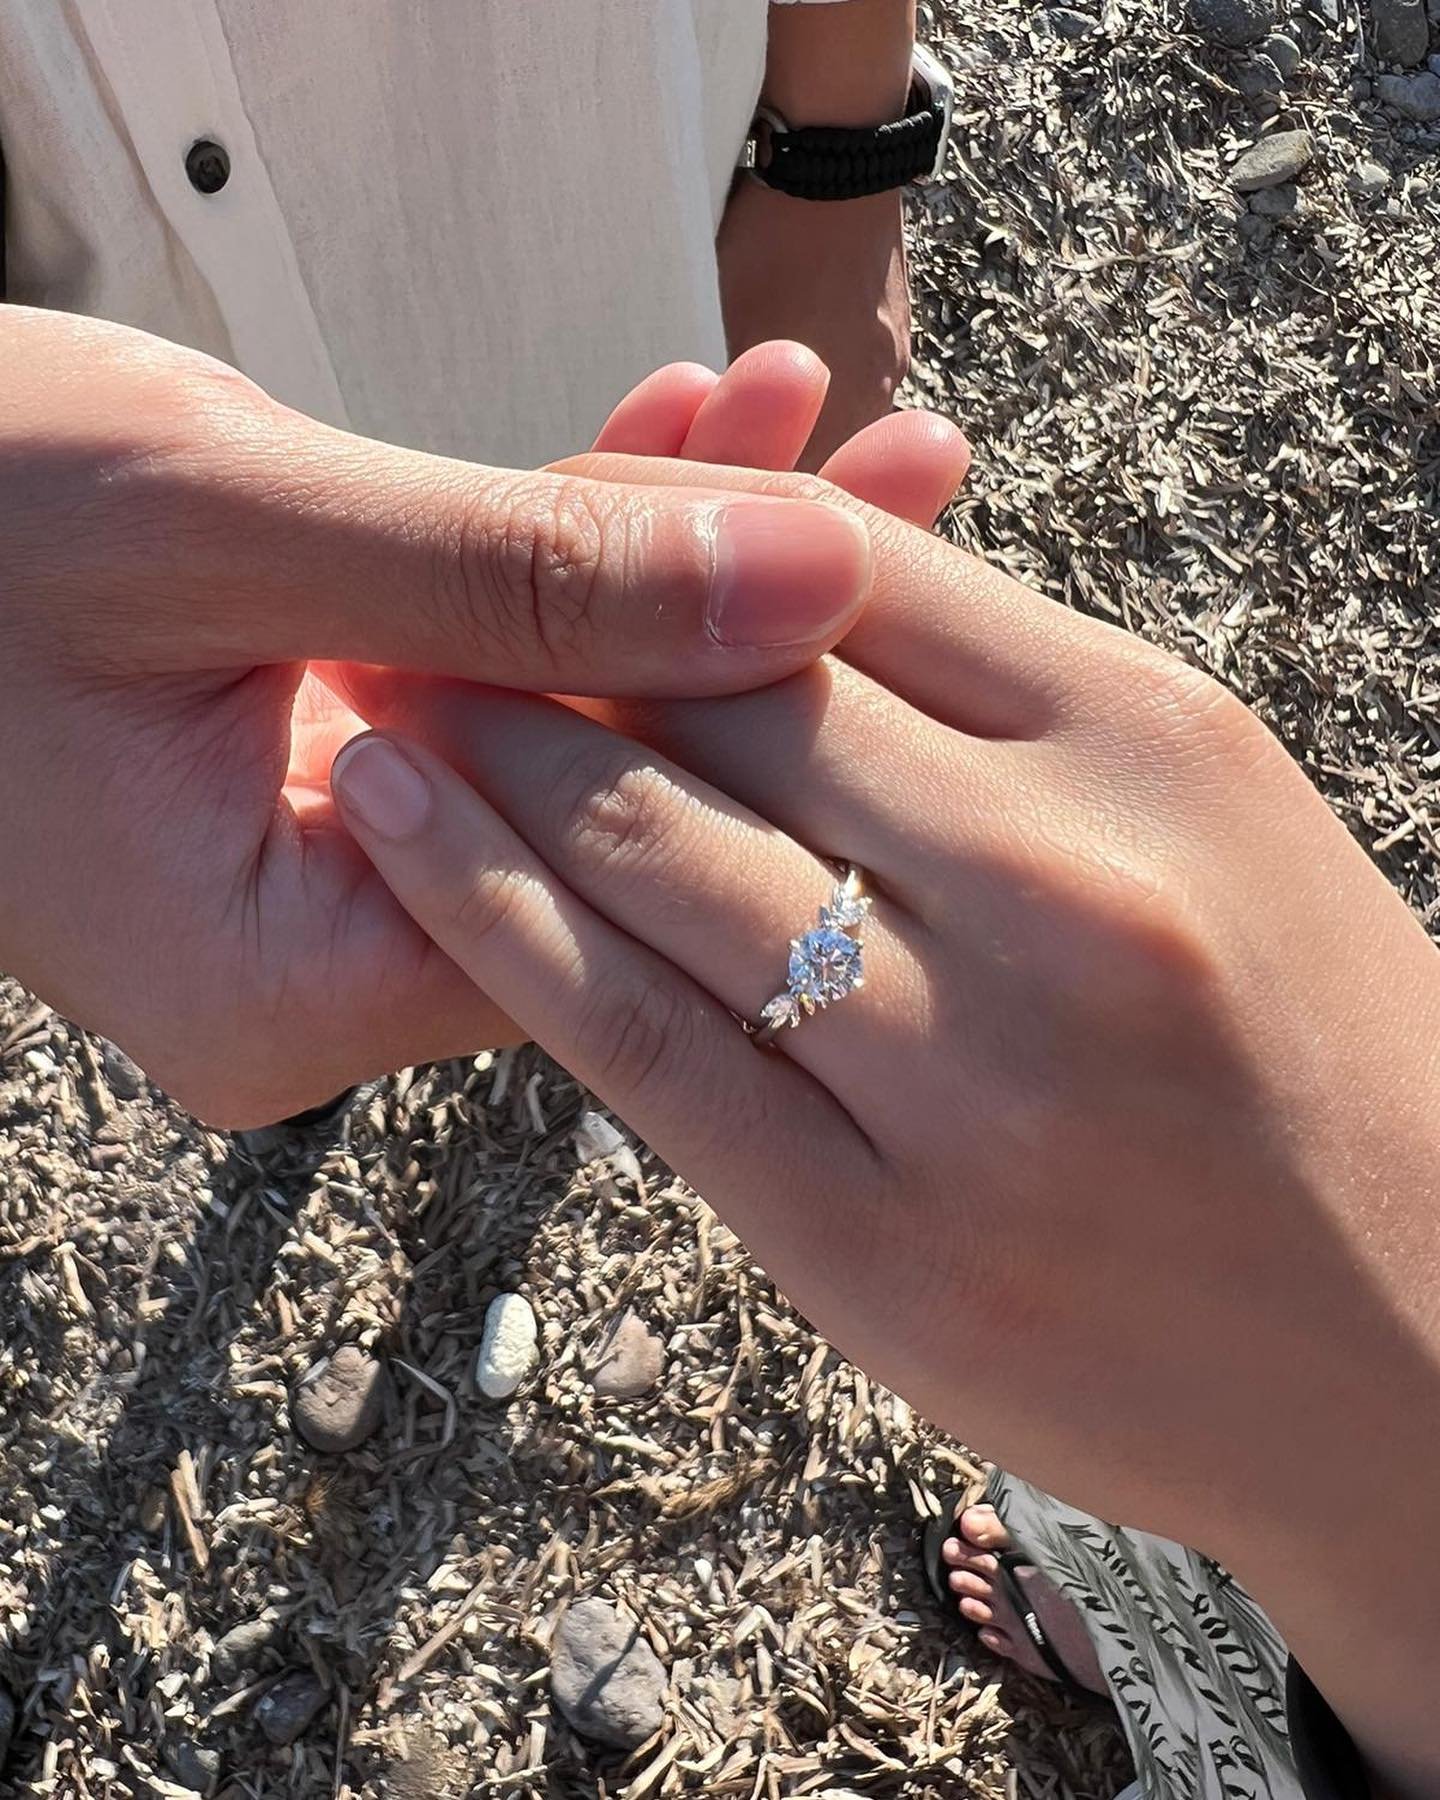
826, 963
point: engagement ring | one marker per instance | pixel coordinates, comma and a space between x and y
826, 963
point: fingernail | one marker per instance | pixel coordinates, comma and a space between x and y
786, 572
381, 787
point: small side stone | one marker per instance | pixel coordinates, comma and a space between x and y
1235, 23
286, 1710
1277, 158
1402, 33
1414, 97
605, 1678
629, 1360
340, 1406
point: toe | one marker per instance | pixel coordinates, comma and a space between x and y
963, 1582
976, 1611
981, 1527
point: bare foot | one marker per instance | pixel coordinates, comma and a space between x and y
985, 1601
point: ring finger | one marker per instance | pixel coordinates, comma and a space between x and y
713, 886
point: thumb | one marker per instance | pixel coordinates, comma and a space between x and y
330, 546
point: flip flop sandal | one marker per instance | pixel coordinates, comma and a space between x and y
937, 1579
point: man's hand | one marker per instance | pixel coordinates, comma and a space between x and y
174, 548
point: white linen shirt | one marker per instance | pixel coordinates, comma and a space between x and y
463, 225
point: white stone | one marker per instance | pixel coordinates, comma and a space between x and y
508, 1347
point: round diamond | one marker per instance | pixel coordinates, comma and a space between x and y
825, 965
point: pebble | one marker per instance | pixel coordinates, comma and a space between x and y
193, 1764
628, 1360
1402, 34
1284, 52
1279, 157
1233, 22
7, 1723
1066, 22
121, 1075
341, 1406
285, 1709
508, 1346
1259, 76
605, 1678
1368, 178
1278, 202
1412, 96
243, 1644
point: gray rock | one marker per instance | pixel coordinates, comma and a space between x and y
628, 1361
1401, 32
340, 1406
1412, 96
1279, 157
286, 1709
1368, 178
1284, 52
244, 1644
193, 1764
1278, 202
1259, 76
1259, 231
605, 1678
121, 1075
1066, 22
1233, 22
7, 1724
1434, 65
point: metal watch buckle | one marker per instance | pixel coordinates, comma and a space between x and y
758, 149
932, 72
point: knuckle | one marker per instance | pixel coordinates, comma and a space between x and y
491, 901
619, 821
528, 565
633, 1029
1138, 946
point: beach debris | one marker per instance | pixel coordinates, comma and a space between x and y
508, 1347
605, 1678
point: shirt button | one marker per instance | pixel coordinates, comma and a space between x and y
208, 166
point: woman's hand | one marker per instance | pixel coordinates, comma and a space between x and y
1126, 1159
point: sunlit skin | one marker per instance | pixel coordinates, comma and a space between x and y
1125, 1162
174, 548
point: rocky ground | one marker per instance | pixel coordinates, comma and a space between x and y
268, 1527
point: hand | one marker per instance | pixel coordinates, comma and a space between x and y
1125, 1160
173, 547
830, 275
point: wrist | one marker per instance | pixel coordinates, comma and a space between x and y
842, 64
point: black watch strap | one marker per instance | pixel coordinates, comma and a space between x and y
840, 162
